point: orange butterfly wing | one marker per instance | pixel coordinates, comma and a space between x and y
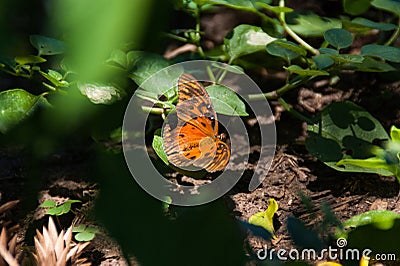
194, 140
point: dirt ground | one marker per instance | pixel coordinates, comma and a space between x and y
294, 174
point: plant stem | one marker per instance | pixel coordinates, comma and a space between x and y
223, 74
395, 35
199, 48
175, 37
153, 110
292, 33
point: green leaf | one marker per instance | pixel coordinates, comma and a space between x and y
265, 218
55, 78
310, 24
46, 45
141, 65
366, 24
118, 57
306, 72
61, 209
48, 204
338, 38
29, 59
246, 39
395, 134
344, 130
15, 106
329, 51
323, 61
54, 211
285, 49
277, 50
381, 219
7, 61
84, 236
356, 7
369, 65
386, 157
370, 163
101, 93
85, 233
79, 228
158, 146
275, 9
244, 5
391, 6
226, 101
347, 58
385, 52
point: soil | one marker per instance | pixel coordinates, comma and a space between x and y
294, 176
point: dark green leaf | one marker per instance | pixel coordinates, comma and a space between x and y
246, 39
29, 59
346, 127
338, 38
306, 72
46, 45
370, 65
323, 61
385, 52
142, 65
226, 101
311, 24
369, 24
329, 51
6, 61
15, 106
347, 58
392, 6
285, 49
356, 7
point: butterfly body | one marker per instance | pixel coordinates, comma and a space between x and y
195, 141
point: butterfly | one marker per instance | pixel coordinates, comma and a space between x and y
195, 141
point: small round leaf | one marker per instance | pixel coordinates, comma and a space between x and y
338, 38
46, 45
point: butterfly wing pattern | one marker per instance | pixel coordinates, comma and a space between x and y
194, 141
